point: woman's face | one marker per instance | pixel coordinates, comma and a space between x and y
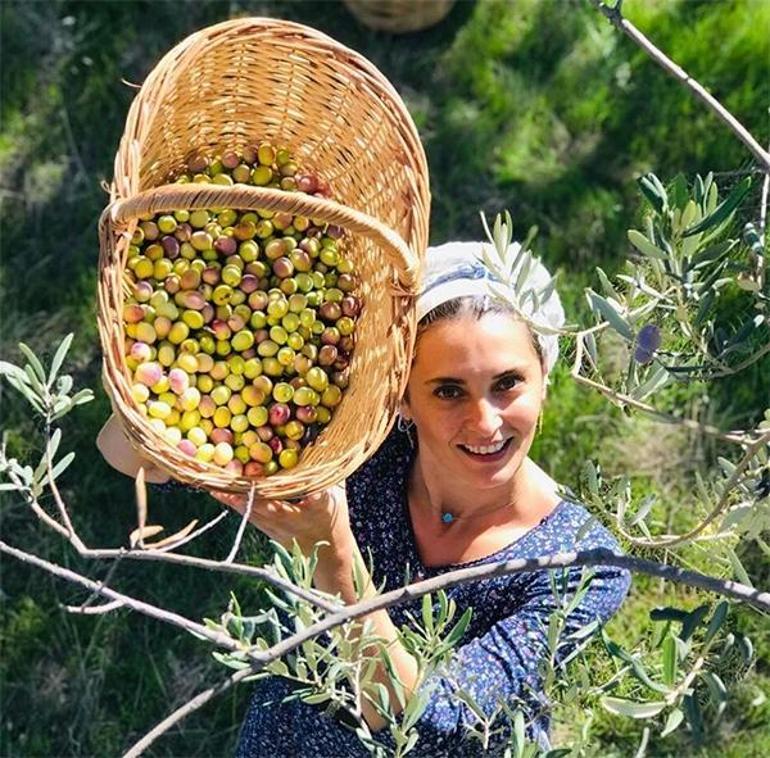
475, 393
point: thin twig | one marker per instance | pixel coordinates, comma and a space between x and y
722, 505
180, 713
193, 535
72, 535
266, 574
241, 527
153, 611
615, 17
94, 610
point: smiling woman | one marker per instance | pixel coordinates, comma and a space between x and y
452, 486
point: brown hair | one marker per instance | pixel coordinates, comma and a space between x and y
475, 306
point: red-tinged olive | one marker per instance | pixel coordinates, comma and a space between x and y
283, 267
275, 444
279, 414
150, 230
282, 220
275, 249
253, 469
133, 313
197, 164
236, 322
306, 182
225, 245
258, 300
208, 313
221, 435
249, 284
330, 335
330, 312
307, 414
220, 329
265, 433
230, 159
172, 284
346, 282
261, 452
183, 232
327, 355
246, 230
170, 247
250, 154
242, 173
350, 305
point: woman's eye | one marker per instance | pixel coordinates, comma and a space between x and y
447, 391
507, 383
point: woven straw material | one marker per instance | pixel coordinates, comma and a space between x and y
233, 85
399, 16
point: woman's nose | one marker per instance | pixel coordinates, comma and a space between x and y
484, 418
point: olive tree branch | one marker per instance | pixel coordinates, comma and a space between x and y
147, 609
594, 557
241, 527
228, 566
619, 397
614, 16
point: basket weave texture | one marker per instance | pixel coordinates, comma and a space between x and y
232, 85
399, 16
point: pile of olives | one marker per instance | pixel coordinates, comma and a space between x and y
240, 325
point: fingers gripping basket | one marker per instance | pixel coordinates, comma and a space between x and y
231, 85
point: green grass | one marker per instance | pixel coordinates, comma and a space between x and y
537, 106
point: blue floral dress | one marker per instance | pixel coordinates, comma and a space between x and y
496, 659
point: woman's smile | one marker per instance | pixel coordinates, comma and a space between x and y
487, 453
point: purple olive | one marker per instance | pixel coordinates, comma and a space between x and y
170, 246
350, 305
225, 245
249, 283
647, 342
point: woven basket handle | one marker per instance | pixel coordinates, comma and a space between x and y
200, 196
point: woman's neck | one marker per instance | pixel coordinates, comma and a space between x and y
440, 494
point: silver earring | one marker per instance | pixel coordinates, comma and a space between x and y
405, 425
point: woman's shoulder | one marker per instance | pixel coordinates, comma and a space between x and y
386, 470
576, 528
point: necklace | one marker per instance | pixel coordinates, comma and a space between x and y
449, 518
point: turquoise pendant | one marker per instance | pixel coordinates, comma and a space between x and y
447, 518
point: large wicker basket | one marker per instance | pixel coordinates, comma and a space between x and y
399, 16
228, 86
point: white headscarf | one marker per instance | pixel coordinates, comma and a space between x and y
457, 269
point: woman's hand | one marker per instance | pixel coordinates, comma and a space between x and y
322, 516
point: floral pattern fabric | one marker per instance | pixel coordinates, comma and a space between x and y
499, 653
